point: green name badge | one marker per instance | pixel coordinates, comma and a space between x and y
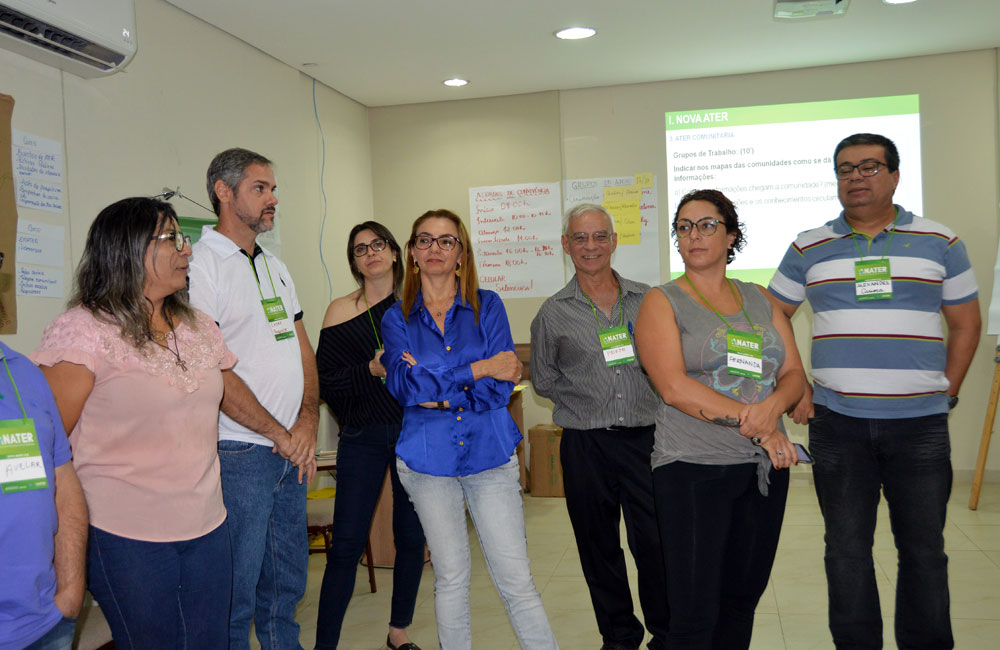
21, 466
872, 280
617, 346
744, 354
281, 324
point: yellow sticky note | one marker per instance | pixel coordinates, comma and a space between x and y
622, 193
628, 223
644, 180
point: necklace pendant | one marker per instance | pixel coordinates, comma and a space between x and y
180, 362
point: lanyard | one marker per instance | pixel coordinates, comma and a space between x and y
884, 250
753, 328
254, 269
371, 320
24, 414
621, 309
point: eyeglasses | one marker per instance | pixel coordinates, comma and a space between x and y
706, 226
376, 245
581, 238
867, 168
423, 241
180, 239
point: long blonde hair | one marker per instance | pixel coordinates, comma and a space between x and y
468, 279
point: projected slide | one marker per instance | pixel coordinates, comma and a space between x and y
776, 164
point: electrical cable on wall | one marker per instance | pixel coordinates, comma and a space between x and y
322, 188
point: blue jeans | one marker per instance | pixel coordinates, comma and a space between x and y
910, 460
59, 637
719, 536
267, 523
362, 458
170, 595
494, 499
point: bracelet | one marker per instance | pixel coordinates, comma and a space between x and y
442, 407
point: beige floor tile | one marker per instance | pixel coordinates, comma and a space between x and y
805, 632
985, 538
792, 613
970, 633
767, 634
768, 604
567, 594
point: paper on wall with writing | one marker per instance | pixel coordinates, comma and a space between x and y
515, 232
8, 222
40, 243
38, 171
632, 202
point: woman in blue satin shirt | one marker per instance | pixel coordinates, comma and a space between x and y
449, 361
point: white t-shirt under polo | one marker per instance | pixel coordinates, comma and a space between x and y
227, 286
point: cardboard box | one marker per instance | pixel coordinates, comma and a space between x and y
546, 468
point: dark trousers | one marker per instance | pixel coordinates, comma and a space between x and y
362, 457
606, 473
719, 537
910, 460
163, 595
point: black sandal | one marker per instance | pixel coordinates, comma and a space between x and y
405, 646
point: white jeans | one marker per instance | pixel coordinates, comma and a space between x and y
494, 498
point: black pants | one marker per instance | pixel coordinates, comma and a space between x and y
719, 538
607, 473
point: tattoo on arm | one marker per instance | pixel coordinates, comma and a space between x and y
724, 422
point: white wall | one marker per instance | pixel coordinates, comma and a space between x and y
191, 92
437, 150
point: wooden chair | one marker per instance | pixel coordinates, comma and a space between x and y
319, 522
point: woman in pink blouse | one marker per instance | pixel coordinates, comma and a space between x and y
137, 375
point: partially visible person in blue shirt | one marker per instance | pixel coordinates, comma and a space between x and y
43, 515
449, 360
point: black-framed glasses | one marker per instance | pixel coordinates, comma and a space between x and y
423, 241
706, 226
581, 238
376, 245
866, 168
180, 239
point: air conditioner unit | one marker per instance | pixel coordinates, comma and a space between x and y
90, 38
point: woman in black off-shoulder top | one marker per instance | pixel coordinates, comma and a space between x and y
351, 378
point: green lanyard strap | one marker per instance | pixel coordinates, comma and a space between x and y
372, 320
753, 328
885, 250
269, 278
24, 414
621, 309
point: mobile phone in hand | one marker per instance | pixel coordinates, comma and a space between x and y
804, 456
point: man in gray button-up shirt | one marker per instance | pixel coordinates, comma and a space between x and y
583, 359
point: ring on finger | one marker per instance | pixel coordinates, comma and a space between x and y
756, 441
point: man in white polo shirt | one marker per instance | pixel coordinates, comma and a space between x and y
267, 429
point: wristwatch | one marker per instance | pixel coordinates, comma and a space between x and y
952, 402
442, 407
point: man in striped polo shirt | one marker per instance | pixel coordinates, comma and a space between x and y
583, 359
878, 278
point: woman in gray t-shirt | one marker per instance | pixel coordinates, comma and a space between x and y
724, 361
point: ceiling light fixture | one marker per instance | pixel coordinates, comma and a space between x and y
455, 82
575, 33
898, 2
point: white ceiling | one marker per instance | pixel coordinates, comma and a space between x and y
386, 52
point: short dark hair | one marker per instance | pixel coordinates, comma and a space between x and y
384, 233
112, 271
230, 167
891, 153
726, 210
